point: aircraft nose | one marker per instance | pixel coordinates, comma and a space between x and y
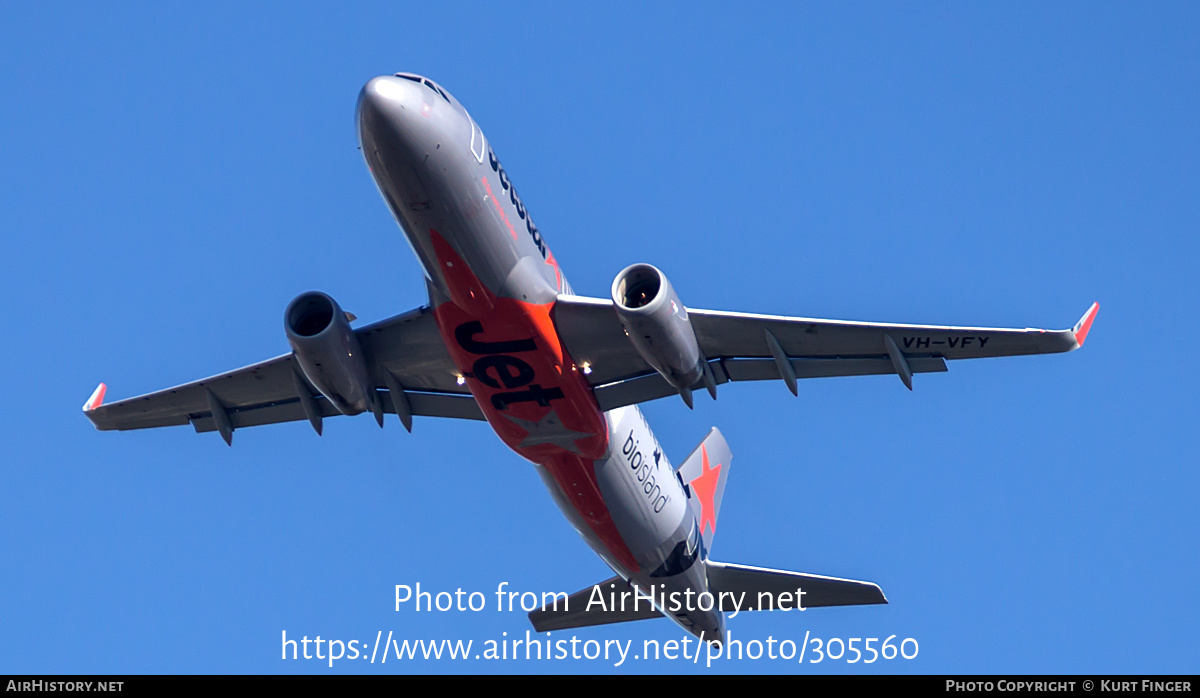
392, 128
386, 98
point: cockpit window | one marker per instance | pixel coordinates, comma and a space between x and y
427, 83
438, 90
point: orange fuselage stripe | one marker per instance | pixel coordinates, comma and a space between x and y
528, 388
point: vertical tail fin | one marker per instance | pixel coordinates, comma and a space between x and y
704, 474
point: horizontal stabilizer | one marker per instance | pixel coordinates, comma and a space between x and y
575, 614
766, 590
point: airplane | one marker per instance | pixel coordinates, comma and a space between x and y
558, 376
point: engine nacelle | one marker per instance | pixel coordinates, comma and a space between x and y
657, 324
328, 352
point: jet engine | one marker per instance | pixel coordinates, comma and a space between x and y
328, 352
657, 324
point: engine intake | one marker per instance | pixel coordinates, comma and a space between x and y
328, 351
657, 323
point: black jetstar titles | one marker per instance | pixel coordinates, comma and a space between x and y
517, 203
496, 369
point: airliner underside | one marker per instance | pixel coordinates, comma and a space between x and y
558, 376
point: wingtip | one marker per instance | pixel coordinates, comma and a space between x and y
1085, 323
96, 399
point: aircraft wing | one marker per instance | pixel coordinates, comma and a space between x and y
743, 347
407, 346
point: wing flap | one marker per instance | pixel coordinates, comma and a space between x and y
634, 391
765, 369
422, 404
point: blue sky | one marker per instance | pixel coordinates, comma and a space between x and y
174, 175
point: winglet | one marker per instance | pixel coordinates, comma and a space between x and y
96, 399
1085, 323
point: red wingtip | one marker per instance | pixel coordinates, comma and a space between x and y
96, 399
1085, 324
